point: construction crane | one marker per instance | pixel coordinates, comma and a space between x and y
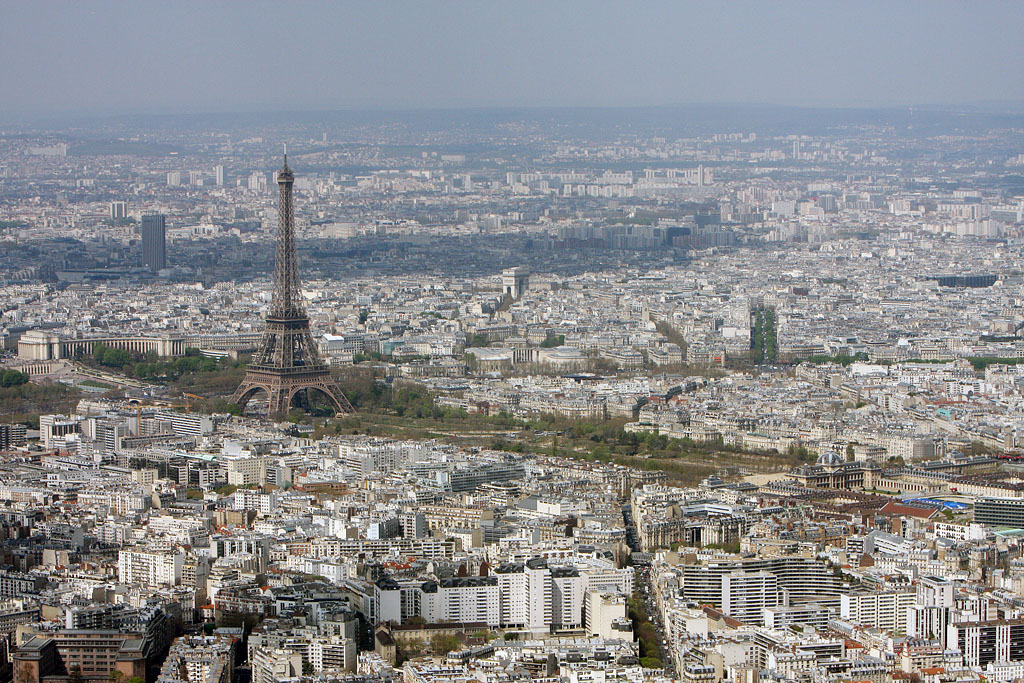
188, 404
138, 403
138, 411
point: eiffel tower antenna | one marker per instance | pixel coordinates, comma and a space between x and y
287, 361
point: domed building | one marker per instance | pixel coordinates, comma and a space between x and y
832, 471
830, 458
562, 358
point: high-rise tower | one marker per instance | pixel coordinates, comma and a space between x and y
154, 242
286, 361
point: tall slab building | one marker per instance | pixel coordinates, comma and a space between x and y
154, 242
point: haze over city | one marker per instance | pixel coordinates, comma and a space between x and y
116, 57
578, 342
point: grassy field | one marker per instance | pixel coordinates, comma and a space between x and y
468, 432
407, 411
683, 462
95, 384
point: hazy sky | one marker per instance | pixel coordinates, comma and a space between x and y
143, 56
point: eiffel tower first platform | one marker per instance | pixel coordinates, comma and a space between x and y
286, 361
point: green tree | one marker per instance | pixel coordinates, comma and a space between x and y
442, 644
13, 378
222, 406
111, 357
980, 448
672, 334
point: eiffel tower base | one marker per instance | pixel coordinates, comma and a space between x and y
281, 385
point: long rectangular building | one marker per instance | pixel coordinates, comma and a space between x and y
886, 610
1007, 512
988, 642
803, 578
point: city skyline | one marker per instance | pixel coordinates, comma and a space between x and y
514, 368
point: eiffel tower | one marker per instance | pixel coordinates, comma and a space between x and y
287, 361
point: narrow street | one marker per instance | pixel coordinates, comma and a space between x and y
646, 592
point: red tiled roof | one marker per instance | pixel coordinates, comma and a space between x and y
902, 509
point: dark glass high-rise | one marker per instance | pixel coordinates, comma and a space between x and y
154, 242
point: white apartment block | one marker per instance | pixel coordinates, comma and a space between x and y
249, 499
745, 595
150, 568
885, 610
530, 596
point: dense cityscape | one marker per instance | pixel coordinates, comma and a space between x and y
572, 395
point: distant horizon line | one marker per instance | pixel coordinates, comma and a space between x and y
978, 107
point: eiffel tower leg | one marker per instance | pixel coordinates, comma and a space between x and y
334, 395
244, 393
341, 403
247, 390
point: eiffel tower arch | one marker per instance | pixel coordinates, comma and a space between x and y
280, 393
287, 361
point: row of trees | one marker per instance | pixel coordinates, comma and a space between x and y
684, 460
404, 400
982, 362
175, 368
763, 345
481, 340
552, 341
645, 633
840, 359
672, 334
149, 366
